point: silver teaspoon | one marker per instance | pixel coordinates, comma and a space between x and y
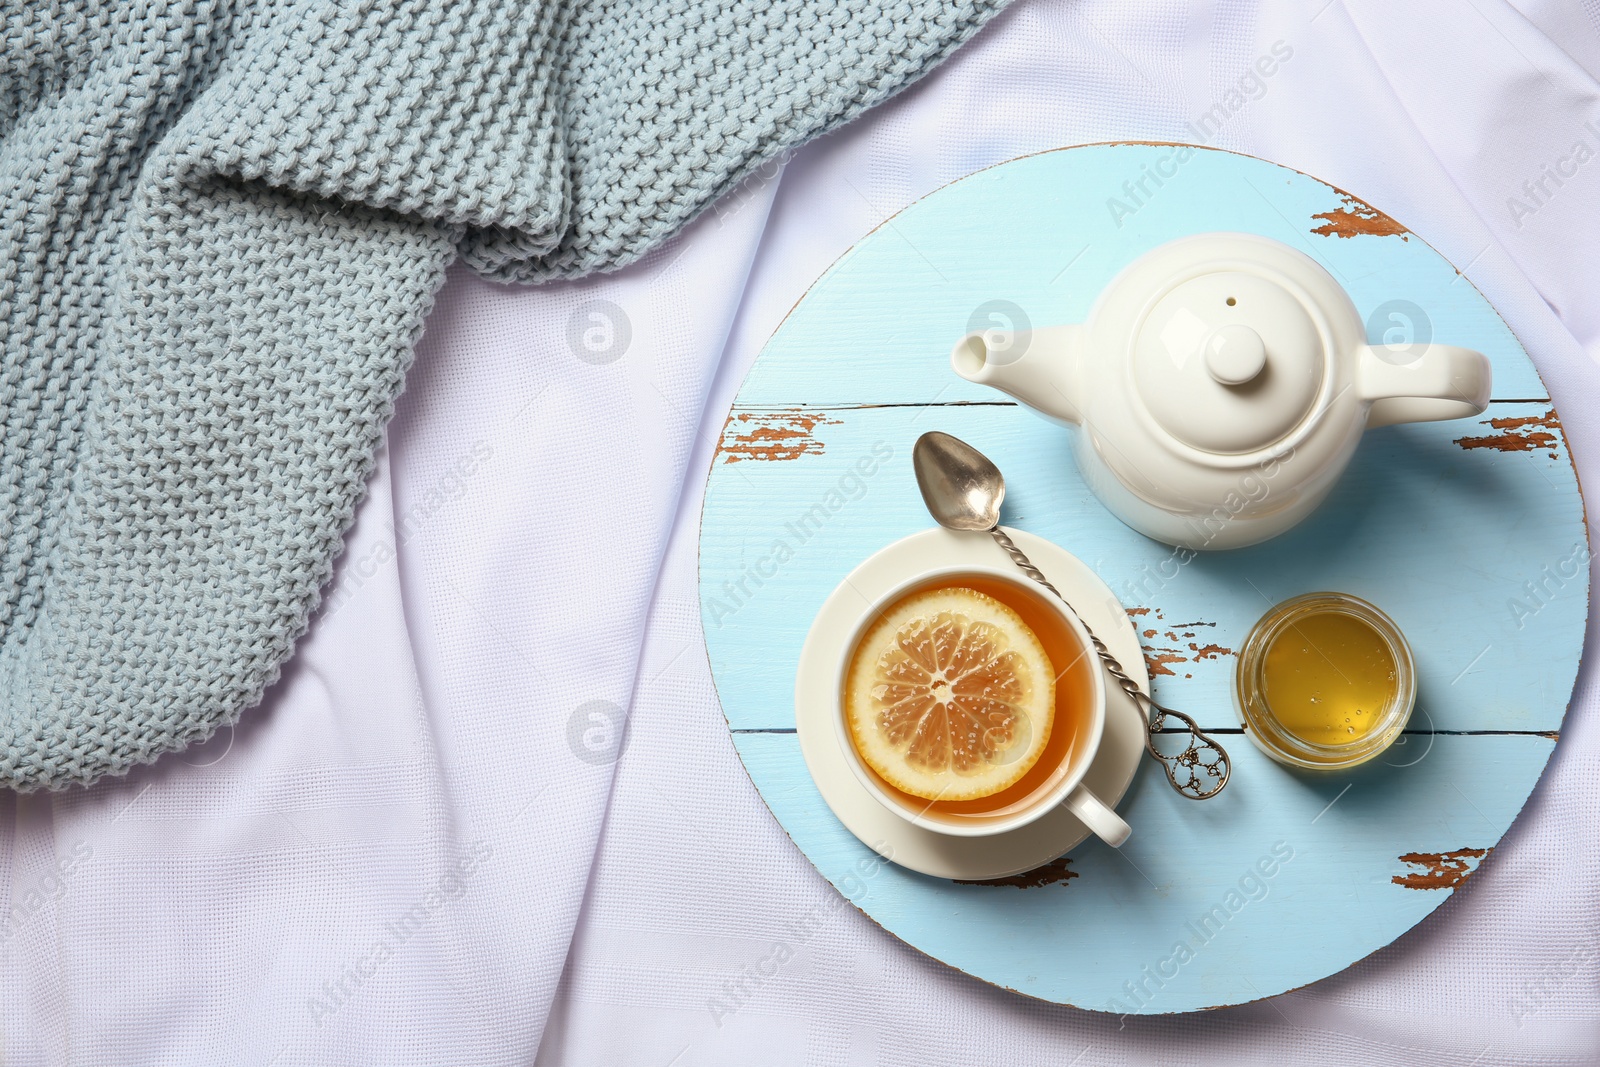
963, 490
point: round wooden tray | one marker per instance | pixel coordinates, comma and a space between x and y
1470, 534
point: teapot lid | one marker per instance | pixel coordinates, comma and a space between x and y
1228, 361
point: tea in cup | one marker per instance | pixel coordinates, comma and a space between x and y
971, 704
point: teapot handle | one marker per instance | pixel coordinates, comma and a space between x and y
1422, 383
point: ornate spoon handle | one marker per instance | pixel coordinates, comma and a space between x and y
1202, 768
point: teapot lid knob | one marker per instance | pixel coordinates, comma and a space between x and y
1235, 354
1228, 361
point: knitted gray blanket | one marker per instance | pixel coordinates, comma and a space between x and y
221, 225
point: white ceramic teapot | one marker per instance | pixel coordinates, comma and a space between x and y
1220, 386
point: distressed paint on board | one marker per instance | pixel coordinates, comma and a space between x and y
1168, 647
1446, 536
1523, 433
1357, 218
1056, 872
1440, 870
772, 435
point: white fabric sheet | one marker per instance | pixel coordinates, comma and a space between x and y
422, 848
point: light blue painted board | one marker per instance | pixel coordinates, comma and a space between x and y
1333, 902
879, 325
1443, 538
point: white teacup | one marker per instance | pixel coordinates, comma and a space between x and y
1062, 784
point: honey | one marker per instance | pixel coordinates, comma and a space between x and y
1325, 680
1328, 677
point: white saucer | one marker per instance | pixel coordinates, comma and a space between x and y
941, 855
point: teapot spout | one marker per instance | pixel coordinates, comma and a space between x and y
1038, 367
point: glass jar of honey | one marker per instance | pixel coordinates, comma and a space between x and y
1324, 681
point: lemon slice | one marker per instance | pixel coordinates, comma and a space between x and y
950, 696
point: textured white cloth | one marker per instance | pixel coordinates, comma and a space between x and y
420, 849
